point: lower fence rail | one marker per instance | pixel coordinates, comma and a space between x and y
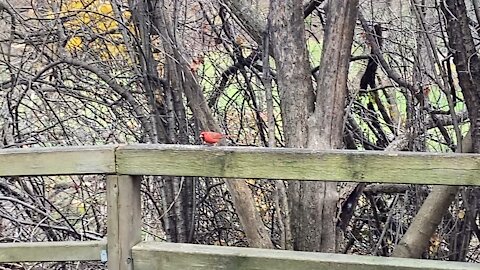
174, 256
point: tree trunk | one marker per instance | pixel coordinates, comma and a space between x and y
296, 93
294, 80
255, 231
313, 204
467, 62
326, 125
416, 239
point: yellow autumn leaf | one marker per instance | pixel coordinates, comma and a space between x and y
74, 5
84, 17
131, 28
101, 27
74, 43
105, 9
461, 214
112, 49
107, 26
127, 15
113, 25
50, 15
116, 37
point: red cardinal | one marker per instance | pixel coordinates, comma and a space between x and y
211, 137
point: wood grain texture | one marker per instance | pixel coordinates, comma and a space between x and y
57, 161
124, 219
170, 256
52, 251
300, 164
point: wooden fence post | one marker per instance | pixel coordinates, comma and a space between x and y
124, 219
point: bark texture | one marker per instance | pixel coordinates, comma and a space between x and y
309, 120
326, 125
466, 61
294, 80
296, 93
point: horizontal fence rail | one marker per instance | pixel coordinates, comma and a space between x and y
57, 161
125, 164
246, 162
300, 164
174, 256
52, 251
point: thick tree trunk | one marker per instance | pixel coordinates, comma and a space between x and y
294, 80
325, 126
296, 93
313, 204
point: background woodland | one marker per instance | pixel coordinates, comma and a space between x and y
386, 75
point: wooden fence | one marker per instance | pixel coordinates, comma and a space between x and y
124, 165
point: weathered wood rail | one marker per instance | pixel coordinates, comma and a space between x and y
124, 165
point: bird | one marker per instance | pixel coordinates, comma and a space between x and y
211, 137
